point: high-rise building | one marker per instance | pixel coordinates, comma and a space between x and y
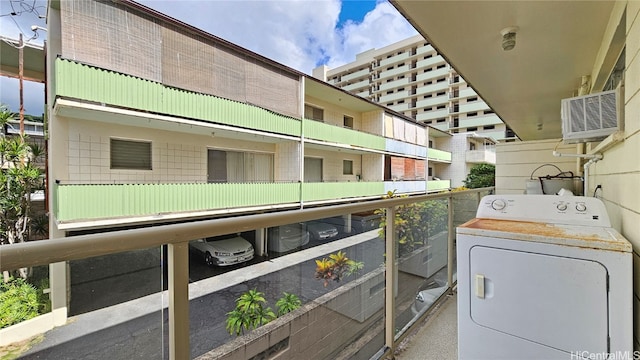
412, 78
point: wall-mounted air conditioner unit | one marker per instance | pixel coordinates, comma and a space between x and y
591, 117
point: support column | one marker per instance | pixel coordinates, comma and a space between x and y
179, 301
390, 280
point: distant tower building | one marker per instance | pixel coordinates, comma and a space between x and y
412, 78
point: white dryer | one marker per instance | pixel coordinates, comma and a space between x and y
543, 277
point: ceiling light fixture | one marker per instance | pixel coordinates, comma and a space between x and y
509, 37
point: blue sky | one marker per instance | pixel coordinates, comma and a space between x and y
301, 34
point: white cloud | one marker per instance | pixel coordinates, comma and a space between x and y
297, 33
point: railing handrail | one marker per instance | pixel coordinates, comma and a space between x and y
43, 252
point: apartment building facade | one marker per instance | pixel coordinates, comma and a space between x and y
412, 78
190, 126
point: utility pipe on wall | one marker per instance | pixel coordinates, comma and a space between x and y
593, 158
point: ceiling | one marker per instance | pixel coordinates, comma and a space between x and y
556, 44
33, 60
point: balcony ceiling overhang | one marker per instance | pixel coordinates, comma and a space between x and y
33, 60
337, 97
556, 44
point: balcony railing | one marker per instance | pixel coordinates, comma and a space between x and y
73, 203
377, 305
336, 134
438, 155
480, 156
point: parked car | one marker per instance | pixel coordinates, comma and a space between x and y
360, 222
321, 231
427, 297
287, 237
223, 250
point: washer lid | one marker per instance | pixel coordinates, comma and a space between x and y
592, 237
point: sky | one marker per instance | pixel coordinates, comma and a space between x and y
301, 34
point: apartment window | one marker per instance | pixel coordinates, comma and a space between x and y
428, 96
390, 92
440, 107
441, 66
488, 112
441, 120
390, 68
472, 146
430, 143
236, 167
314, 113
401, 64
347, 167
130, 154
471, 99
400, 101
441, 93
488, 127
430, 171
471, 114
441, 80
389, 104
348, 122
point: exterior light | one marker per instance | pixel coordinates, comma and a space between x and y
509, 37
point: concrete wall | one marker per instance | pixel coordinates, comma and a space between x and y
321, 329
176, 157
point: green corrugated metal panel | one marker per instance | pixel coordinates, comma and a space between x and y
85, 82
320, 131
436, 154
433, 185
337, 190
97, 85
84, 202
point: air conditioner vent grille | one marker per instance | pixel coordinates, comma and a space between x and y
590, 118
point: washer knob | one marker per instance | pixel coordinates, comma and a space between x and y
562, 206
498, 204
581, 207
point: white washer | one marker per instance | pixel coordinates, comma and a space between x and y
543, 277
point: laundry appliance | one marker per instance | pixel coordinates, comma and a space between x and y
543, 277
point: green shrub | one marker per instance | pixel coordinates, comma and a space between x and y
19, 301
287, 303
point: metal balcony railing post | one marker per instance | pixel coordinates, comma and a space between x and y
450, 247
178, 301
390, 283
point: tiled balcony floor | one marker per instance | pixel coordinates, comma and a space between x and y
437, 337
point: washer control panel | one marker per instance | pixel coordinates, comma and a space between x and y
554, 209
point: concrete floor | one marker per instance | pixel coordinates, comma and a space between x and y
437, 338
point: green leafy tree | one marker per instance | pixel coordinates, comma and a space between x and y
480, 176
19, 177
250, 313
287, 303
